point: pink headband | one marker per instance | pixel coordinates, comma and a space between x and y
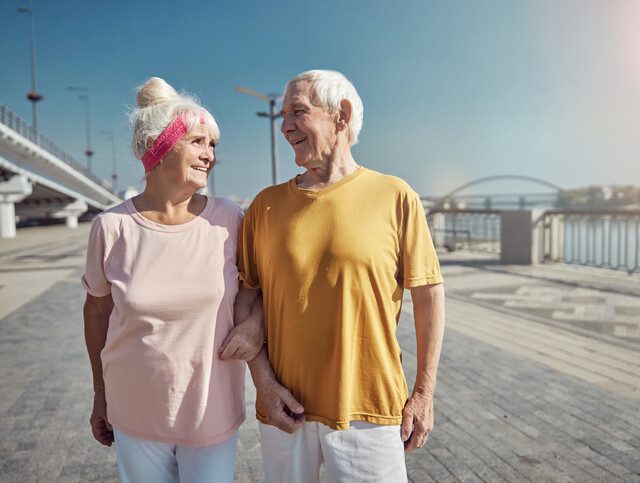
171, 134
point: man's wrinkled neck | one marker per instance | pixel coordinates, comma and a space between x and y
327, 171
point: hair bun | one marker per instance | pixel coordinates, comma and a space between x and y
155, 91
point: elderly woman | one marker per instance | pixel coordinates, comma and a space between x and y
161, 281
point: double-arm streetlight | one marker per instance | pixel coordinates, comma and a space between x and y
32, 95
272, 99
85, 97
111, 137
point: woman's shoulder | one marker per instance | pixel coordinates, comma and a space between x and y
114, 212
111, 219
225, 208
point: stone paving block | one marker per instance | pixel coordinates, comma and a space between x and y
436, 470
417, 472
451, 461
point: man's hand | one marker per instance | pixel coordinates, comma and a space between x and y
102, 430
280, 407
244, 341
275, 402
417, 421
417, 415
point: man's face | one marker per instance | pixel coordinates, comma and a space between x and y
311, 130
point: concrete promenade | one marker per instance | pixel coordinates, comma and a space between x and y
539, 378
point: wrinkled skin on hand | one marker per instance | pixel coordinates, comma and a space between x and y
100, 427
244, 341
417, 421
279, 407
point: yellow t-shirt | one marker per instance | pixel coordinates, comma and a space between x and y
332, 266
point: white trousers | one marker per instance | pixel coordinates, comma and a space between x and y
364, 452
142, 461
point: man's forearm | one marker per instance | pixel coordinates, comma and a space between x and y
261, 371
243, 306
428, 312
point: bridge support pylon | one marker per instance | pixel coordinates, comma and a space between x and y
71, 212
12, 191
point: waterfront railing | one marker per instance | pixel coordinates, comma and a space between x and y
466, 229
606, 239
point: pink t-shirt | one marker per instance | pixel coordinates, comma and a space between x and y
173, 288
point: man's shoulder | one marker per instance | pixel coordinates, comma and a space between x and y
388, 182
270, 193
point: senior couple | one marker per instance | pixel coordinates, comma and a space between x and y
307, 288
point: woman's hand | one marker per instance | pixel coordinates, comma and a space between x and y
102, 430
244, 341
247, 337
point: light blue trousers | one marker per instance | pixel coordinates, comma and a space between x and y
142, 461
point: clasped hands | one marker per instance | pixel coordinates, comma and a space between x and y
244, 341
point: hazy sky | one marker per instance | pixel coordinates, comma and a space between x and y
452, 90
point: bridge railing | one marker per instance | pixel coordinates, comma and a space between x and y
608, 239
26, 130
466, 229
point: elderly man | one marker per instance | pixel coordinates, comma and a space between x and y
332, 251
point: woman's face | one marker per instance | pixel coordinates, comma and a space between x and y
190, 161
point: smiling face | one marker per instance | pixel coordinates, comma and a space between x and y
311, 130
190, 160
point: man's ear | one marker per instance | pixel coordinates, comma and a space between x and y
345, 113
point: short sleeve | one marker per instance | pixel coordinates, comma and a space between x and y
247, 263
95, 280
420, 265
238, 214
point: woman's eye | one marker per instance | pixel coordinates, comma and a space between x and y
298, 111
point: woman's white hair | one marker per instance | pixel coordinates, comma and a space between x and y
328, 88
158, 106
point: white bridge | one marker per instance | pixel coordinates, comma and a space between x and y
39, 179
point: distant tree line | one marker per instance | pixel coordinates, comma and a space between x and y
600, 197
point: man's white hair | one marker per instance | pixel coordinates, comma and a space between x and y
328, 88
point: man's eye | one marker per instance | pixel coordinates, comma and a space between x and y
298, 111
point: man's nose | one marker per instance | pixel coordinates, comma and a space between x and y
287, 124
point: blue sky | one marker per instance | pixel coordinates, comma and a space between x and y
453, 90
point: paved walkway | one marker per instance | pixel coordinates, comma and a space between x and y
538, 379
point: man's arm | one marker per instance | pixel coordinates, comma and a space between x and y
428, 312
247, 337
277, 404
97, 311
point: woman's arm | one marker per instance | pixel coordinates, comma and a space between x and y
97, 311
247, 337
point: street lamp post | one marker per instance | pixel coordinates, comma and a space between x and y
272, 99
32, 95
84, 97
110, 135
212, 178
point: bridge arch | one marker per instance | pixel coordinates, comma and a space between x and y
502, 177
